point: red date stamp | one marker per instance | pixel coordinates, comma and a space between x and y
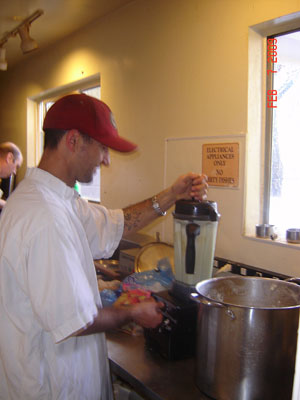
272, 59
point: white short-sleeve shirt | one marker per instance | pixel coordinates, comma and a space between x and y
49, 237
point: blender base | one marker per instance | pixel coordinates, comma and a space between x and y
182, 291
175, 337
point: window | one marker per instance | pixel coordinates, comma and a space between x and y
91, 87
282, 172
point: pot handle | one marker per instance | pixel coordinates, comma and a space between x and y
201, 300
293, 280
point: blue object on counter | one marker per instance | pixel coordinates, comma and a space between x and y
154, 280
108, 297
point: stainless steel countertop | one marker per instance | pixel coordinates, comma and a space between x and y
148, 373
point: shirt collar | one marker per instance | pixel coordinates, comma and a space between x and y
49, 180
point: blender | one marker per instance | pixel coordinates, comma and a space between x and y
195, 231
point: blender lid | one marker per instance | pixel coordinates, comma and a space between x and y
193, 209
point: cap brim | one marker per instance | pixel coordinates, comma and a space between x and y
119, 144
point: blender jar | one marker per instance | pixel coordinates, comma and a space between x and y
195, 232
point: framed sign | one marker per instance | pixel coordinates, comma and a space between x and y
220, 162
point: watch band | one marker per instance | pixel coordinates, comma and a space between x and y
156, 207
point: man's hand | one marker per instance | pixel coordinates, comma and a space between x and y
189, 186
2, 203
147, 314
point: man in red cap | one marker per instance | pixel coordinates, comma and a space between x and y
52, 344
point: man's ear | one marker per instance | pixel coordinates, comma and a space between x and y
10, 158
72, 139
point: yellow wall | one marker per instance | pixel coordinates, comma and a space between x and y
169, 68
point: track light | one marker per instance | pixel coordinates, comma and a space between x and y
27, 43
3, 62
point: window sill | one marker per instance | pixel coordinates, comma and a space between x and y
279, 241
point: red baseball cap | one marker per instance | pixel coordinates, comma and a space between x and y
89, 116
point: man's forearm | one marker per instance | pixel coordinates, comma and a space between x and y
146, 314
107, 319
141, 214
185, 187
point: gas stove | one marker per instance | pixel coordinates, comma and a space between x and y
244, 270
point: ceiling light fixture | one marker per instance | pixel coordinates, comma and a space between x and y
27, 43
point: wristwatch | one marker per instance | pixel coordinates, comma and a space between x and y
156, 207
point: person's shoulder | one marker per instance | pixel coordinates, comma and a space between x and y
29, 200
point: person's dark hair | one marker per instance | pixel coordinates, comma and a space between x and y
54, 136
86, 137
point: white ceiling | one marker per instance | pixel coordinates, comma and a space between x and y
60, 18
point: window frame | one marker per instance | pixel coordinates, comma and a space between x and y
255, 156
269, 130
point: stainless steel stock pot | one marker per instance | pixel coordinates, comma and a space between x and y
246, 337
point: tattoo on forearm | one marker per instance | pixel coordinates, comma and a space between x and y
137, 216
132, 219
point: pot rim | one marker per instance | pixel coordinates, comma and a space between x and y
238, 277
